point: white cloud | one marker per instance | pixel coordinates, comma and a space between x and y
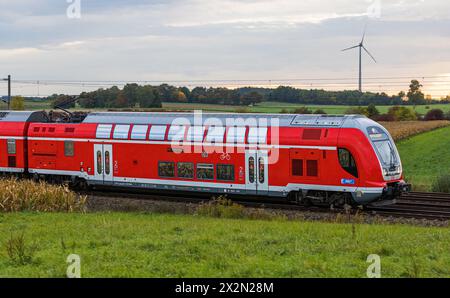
221, 39
18, 52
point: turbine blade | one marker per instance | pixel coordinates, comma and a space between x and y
369, 54
364, 33
350, 48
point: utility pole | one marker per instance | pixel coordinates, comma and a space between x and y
9, 90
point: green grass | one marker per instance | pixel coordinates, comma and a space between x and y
160, 245
426, 156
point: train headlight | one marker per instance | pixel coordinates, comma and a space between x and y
385, 172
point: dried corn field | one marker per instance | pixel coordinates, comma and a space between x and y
26, 195
404, 129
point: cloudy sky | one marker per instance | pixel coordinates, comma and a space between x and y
223, 42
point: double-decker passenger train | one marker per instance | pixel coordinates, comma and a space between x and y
305, 158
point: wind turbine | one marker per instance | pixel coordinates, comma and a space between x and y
361, 47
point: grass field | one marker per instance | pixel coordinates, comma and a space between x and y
264, 107
161, 245
425, 156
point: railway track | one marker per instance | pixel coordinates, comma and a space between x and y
417, 205
421, 205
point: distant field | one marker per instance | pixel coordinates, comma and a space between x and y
277, 107
403, 129
264, 107
425, 156
30, 105
163, 245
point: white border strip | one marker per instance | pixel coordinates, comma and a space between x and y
12, 138
12, 170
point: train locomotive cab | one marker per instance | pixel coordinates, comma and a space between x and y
381, 168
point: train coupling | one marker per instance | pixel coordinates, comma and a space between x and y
395, 190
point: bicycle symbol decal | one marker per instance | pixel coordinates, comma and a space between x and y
225, 156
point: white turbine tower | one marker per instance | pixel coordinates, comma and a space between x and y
361, 47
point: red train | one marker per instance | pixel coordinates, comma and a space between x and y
313, 158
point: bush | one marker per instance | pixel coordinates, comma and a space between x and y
357, 111
435, 114
221, 207
225, 208
17, 103
26, 195
320, 112
302, 110
384, 117
442, 184
241, 110
372, 111
402, 113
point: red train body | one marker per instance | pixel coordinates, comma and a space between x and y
325, 159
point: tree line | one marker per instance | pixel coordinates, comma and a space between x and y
148, 96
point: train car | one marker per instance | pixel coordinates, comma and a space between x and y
307, 158
13, 140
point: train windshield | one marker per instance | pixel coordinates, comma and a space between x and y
384, 147
386, 152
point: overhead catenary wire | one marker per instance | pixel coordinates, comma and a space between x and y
432, 84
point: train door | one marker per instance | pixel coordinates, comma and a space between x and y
256, 180
103, 162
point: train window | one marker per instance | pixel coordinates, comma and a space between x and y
12, 162
176, 133
185, 170
257, 135
121, 132
139, 132
107, 161
104, 131
225, 172
236, 134
11, 146
251, 170
297, 167
377, 134
157, 132
99, 162
205, 171
347, 162
69, 148
166, 169
196, 133
215, 134
261, 170
312, 168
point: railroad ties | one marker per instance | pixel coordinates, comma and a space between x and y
426, 205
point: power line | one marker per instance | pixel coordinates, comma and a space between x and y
422, 77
